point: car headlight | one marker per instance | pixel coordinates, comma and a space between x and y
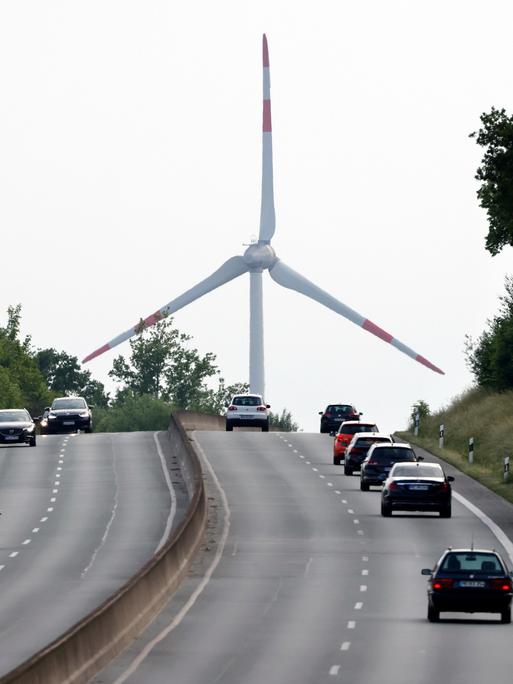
52, 416
44, 422
84, 414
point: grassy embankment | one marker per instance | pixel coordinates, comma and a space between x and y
483, 415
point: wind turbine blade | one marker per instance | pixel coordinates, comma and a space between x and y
267, 216
231, 269
287, 277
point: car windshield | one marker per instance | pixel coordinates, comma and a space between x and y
20, 416
59, 404
468, 561
339, 409
355, 429
388, 455
247, 401
417, 471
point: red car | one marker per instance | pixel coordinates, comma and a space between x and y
345, 434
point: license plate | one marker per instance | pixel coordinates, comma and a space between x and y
11, 438
474, 584
419, 488
68, 422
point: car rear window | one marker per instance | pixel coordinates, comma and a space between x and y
369, 441
247, 401
417, 471
339, 409
388, 455
355, 429
472, 562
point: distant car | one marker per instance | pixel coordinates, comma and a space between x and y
379, 461
334, 414
345, 434
67, 414
417, 487
247, 410
469, 581
358, 448
16, 426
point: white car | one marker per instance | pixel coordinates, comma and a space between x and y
247, 410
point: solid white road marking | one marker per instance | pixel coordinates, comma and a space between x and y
358, 605
345, 646
172, 494
307, 569
334, 670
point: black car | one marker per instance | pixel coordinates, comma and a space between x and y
334, 414
469, 581
358, 448
379, 461
16, 426
417, 487
67, 414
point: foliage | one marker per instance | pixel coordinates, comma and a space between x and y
490, 358
283, 421
421, 408
64, 376
21, 383
216, 401
496, 176
133, 413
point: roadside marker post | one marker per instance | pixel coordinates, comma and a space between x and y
416, 423
471, 450
441, 436
506, 468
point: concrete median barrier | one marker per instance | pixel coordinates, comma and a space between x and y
87, 647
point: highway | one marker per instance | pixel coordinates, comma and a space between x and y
302, 581
80, 515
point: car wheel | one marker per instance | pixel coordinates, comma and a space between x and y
336, 460
433, 614
386, 511
364, 486
506, 616
265, 427
229, 428
32, 441
446, 512
348, 470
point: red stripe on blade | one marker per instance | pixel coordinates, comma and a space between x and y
96, 353
376, 330
145, 323
267, 128
265, 51
427, 363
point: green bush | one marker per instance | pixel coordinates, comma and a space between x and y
133, 414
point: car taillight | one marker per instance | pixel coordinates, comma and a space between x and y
393, 485
442, 584
261, 408
327, 415
372, 462
356, 450
501, 584
232, 408
444, 487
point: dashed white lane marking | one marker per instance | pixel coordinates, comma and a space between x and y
345, 646
356, 522
55, 491
58, 468
358, 605
301, 456
344, 501
2, 567
365, 572
61, 461
351, 624
350, 510
43, 519
35, 530
315, 469
363, 587
27, 541
13, 554
365, 558
308, 462
360, 532
50, 509
172, 494
334, 669
337, 491
295, 451
53, 499
323, 477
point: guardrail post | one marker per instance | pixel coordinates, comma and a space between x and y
471, 450
441, 436
506, 468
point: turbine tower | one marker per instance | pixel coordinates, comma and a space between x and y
259, 257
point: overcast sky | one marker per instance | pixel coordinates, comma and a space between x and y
130, 137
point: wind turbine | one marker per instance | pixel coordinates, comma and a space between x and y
259, 257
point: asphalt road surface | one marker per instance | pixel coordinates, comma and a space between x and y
303, 582
80, 515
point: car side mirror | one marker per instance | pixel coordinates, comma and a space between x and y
420, 458
268, 406
91, 405
426, 571
332, 433
360, 413
321, 412
46, 408
450, 478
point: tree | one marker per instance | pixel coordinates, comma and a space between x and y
216, 401
421, 408
490, 358
64, 376
496, 176
283, 422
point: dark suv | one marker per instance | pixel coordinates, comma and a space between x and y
379, 461
334, 414
358, 448
67, 414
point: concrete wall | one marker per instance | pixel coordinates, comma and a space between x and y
88, 646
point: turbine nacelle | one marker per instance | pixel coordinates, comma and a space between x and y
259, 256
